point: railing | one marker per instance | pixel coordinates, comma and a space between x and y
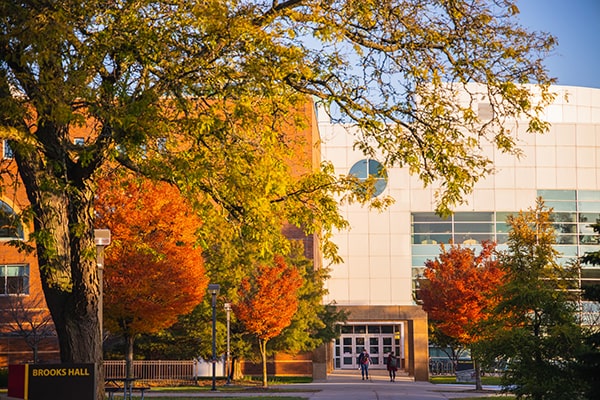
163, 372
441, 366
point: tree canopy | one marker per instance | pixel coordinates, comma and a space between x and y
458, 293
203, 94
268, 300
535, 327
153, 269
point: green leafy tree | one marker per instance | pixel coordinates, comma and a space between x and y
201, 93
536, 328
589, 359
312, 325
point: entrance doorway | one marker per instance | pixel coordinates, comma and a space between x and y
379, 340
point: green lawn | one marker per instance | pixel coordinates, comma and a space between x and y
485, 380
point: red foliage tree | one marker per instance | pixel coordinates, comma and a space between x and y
153, 270
267, 302
458, 292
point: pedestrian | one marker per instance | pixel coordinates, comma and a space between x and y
363, 362
392, 366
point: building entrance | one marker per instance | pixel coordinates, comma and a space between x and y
378, 340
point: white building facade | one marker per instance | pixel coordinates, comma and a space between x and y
385, 251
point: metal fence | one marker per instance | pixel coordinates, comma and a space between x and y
163, 372
441, 366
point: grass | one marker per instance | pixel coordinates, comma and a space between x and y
485, 380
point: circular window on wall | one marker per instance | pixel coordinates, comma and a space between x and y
371, 168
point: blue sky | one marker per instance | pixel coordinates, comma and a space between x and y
576, 24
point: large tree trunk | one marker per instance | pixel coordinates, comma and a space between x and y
62, 202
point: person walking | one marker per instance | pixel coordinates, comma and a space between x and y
392, 366
364, 361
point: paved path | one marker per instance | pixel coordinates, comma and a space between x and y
347, 385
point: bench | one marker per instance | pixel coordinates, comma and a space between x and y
111, 390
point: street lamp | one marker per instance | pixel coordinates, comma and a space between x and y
227, 362
213, 289
101, 239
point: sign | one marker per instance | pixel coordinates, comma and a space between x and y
52, 381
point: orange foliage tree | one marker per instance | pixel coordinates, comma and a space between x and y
153, 270
268, 299
458, 292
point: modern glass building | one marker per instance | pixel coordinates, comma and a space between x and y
384, 252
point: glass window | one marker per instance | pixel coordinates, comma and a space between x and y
472, 239
374, 329
364, 169
432, 228
587, 206
590, 218
473, 216
560, 228
15, 279
474, 227
588, 195
567, 251
566, 239
347, 329
501, 216
387, 329
563, 217
360, 329
10, 226
436, 239
7, 151
428, 217
502, 227
421, 260
561, 205
564, 195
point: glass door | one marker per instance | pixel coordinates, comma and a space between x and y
379, 340
352, 346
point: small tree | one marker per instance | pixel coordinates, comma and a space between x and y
313, 323
458, 293
268, 301
153, 270
535, 323
29, 318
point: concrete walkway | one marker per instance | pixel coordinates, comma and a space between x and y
347, 385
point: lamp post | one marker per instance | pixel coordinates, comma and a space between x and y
101, 239
227, 362
213, 289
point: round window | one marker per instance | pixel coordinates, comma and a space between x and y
371, 168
